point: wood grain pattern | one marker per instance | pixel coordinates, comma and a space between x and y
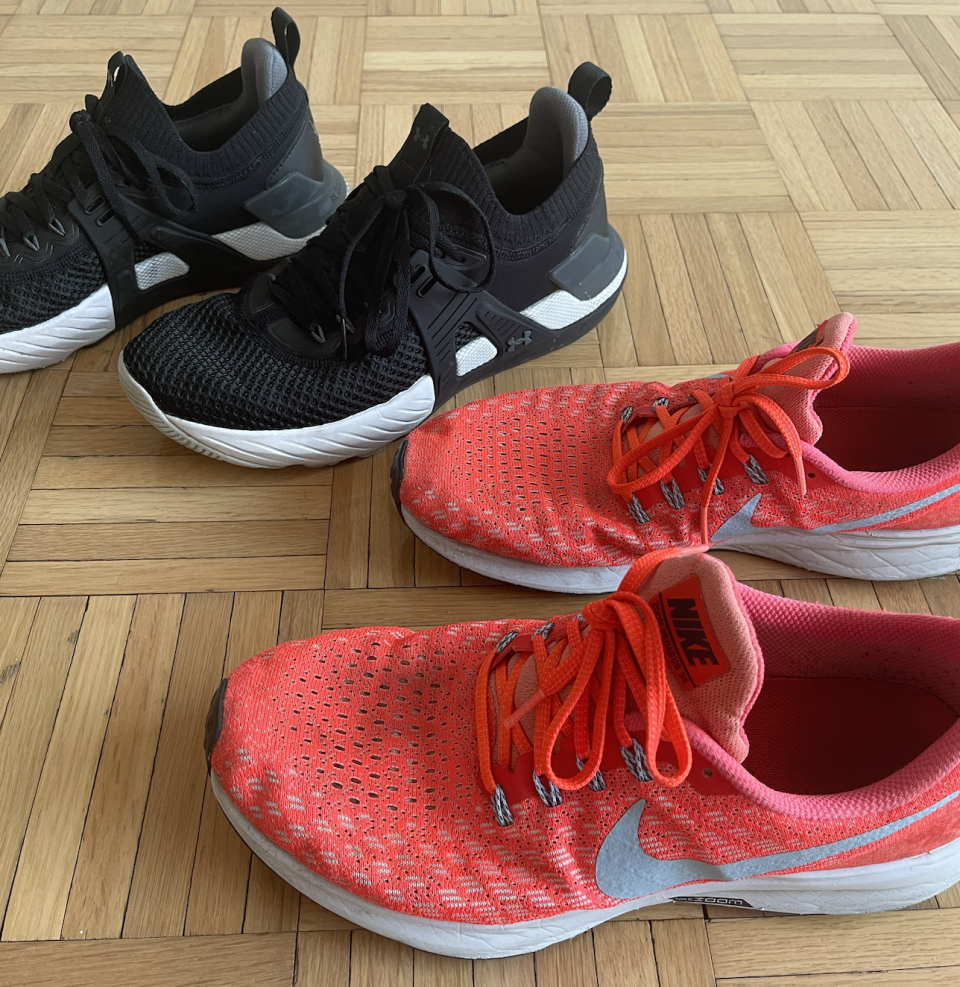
768, 162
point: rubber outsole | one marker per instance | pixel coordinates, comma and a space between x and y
850, 890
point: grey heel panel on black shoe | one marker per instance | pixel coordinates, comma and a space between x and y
592, 266
298, 206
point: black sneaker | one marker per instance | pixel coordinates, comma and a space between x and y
446, 267
144, 203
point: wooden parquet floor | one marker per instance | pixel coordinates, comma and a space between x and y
769, 162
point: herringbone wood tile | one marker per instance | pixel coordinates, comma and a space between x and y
768, 162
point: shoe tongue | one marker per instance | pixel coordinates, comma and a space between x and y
129, 103
434, 153
837, 333
715, 666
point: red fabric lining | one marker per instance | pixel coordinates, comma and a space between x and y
875, 440
822, 736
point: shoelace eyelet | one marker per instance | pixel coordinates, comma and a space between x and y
672, 494
597, 782
637, 512
549, 793
544, 631
501, 808
504, 641
755, 471
636, 761
717, 485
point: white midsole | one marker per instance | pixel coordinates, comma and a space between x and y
556, 579
881, 554
316, 445
847, 890
561, 309
91, 319
54, 340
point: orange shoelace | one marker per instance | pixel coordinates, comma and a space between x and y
615, 645
737, 400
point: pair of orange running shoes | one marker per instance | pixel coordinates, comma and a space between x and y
489, 788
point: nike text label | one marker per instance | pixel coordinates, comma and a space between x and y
693, 651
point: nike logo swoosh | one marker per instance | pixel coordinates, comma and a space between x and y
741, 523
625, 870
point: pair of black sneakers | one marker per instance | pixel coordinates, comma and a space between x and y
446, 266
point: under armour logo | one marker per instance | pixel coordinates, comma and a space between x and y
512, 344
423, 139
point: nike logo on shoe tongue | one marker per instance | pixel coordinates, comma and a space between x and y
625, 870
741, 523
693, 652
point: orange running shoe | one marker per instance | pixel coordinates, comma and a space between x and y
835, 457
687, 738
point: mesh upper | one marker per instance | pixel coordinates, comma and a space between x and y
32, 294
206, 363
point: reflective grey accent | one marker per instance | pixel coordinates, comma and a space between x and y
659, 402
741, 523
717, 485
544, 631
672, 494
501, 810
549, 793
625, 870
591, 267
738, 524
755, 471
891, 515
636, 761
504, 641
626, 413
637, 512
298, 206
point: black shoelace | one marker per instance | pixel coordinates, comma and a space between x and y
306, 290
61, 180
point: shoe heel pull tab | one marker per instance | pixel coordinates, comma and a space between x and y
590, 86
286, 35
